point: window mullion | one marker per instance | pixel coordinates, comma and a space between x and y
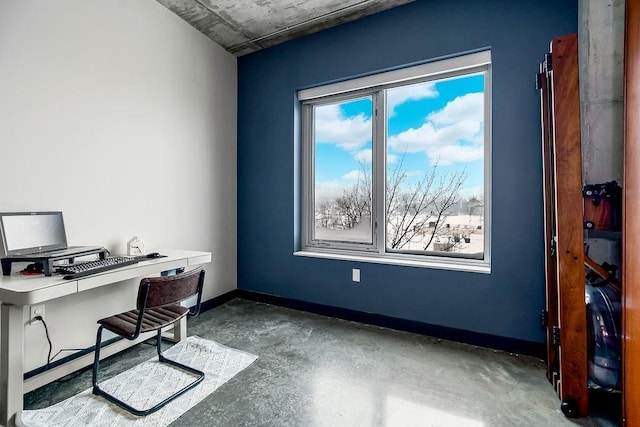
379, 170
487, 162
308, 174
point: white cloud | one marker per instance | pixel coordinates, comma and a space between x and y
354, 175
470, 192
428, 137
332, 189
366, 156
329, 190
455, 154
349, 133
402, 94
467, 107
363, 156
451, 135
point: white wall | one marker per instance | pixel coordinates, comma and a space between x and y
122, 116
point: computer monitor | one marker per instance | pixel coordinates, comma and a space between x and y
32, 232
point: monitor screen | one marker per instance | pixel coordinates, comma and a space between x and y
32, 232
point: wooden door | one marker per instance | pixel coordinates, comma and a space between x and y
631, 220
550, 315
564, 234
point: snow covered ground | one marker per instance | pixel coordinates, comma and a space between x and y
452, 236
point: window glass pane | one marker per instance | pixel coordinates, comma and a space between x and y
342, 179
435, 166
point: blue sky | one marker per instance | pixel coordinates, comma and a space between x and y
438, 122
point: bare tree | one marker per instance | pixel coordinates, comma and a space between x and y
418, 210
355, 203
323, 213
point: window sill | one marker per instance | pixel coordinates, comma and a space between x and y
467, 265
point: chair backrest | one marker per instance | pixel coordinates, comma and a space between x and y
158, 291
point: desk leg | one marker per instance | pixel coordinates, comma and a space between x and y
11, 364
6, 267
178, 332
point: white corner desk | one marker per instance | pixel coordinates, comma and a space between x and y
19, 292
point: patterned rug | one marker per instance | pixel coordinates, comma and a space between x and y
146, 384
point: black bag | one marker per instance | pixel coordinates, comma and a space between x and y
604, 328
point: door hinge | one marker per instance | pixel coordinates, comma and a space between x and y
539, 78
548, 64
556, 336
552, 247
544, 318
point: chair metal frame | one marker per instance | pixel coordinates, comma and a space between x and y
144, 312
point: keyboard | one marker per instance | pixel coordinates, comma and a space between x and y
88, 268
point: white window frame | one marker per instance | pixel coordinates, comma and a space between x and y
374, 86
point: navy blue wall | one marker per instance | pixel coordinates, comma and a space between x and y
505, 303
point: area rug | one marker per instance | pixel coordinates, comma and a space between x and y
146, 384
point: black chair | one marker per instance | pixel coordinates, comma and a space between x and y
158, 306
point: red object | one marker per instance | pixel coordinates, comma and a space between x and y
599, 215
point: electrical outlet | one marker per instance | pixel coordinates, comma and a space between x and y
355, 275
36, 310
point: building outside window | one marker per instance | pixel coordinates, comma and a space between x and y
396, 165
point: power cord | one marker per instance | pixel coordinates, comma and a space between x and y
50, 359
65, 349
46, 331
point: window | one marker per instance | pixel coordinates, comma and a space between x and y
396, 165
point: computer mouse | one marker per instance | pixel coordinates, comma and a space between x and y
154, 255
35, 268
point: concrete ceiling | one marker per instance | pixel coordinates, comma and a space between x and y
242, 26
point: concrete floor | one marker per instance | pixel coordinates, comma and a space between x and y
319, 371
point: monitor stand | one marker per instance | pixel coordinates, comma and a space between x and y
47, 261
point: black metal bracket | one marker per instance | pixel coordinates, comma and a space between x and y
556, 336
548, 65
